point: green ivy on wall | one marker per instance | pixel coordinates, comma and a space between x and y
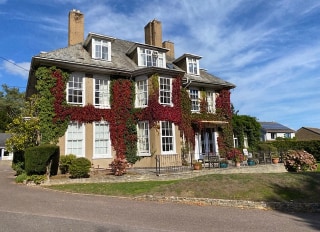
48, 94
55, 113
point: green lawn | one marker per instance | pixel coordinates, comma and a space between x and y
298, 187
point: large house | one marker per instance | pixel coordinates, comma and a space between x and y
123, 97
308, 133
272, 130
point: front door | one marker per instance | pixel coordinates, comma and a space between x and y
208, 141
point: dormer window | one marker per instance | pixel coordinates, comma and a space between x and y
151, 58
189, 63
193, 65
101, 49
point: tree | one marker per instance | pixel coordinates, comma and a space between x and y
11, 104
24, 128
244, 125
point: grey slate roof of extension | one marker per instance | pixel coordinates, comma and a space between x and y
275, 127
76, 57
3, 138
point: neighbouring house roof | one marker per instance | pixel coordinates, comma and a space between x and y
314, 130
308, 133
275, 127
3, 138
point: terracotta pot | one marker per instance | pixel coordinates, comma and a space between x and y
275, 160
238, 164
197, 166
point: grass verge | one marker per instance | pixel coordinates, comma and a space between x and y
281, 187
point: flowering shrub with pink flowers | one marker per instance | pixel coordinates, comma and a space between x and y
299, 161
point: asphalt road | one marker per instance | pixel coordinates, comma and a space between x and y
26, 208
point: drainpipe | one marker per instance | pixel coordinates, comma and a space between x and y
188, 83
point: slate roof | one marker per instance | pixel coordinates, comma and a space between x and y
275, 127
3, 138
77, 58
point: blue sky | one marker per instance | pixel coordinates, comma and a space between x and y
269, 49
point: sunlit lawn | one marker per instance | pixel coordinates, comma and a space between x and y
298, 187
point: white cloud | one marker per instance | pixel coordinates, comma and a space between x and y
18, 69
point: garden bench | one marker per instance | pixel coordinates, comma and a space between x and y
211, 160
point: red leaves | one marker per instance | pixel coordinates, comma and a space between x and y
224, 104
235, 155
122, 114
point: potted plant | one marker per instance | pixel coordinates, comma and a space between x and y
251, 162
197, 165
224, 163
236, 155
275, 158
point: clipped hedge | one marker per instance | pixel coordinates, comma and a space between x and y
38, 158
65, 162
80, 168
312, 147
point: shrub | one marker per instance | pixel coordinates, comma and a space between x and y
80, 168
119, 166
18, 167
313, 147
299, 161
18, 156
65, 162
235, 155
266, 147
21, 177
37, 179
38, 159
18, 162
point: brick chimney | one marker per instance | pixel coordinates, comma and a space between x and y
76, 27
169, 45
153, 33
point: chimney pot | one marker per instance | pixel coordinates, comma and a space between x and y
76, 27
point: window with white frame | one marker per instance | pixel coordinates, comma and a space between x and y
75, 139
167, 137
193, 65
102, 144
143, 138
195, 101
287, 135
245, 141
151, 58
211, 102
101, 49
75, 89
142, 92
235, 142
165, 91
102, 92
